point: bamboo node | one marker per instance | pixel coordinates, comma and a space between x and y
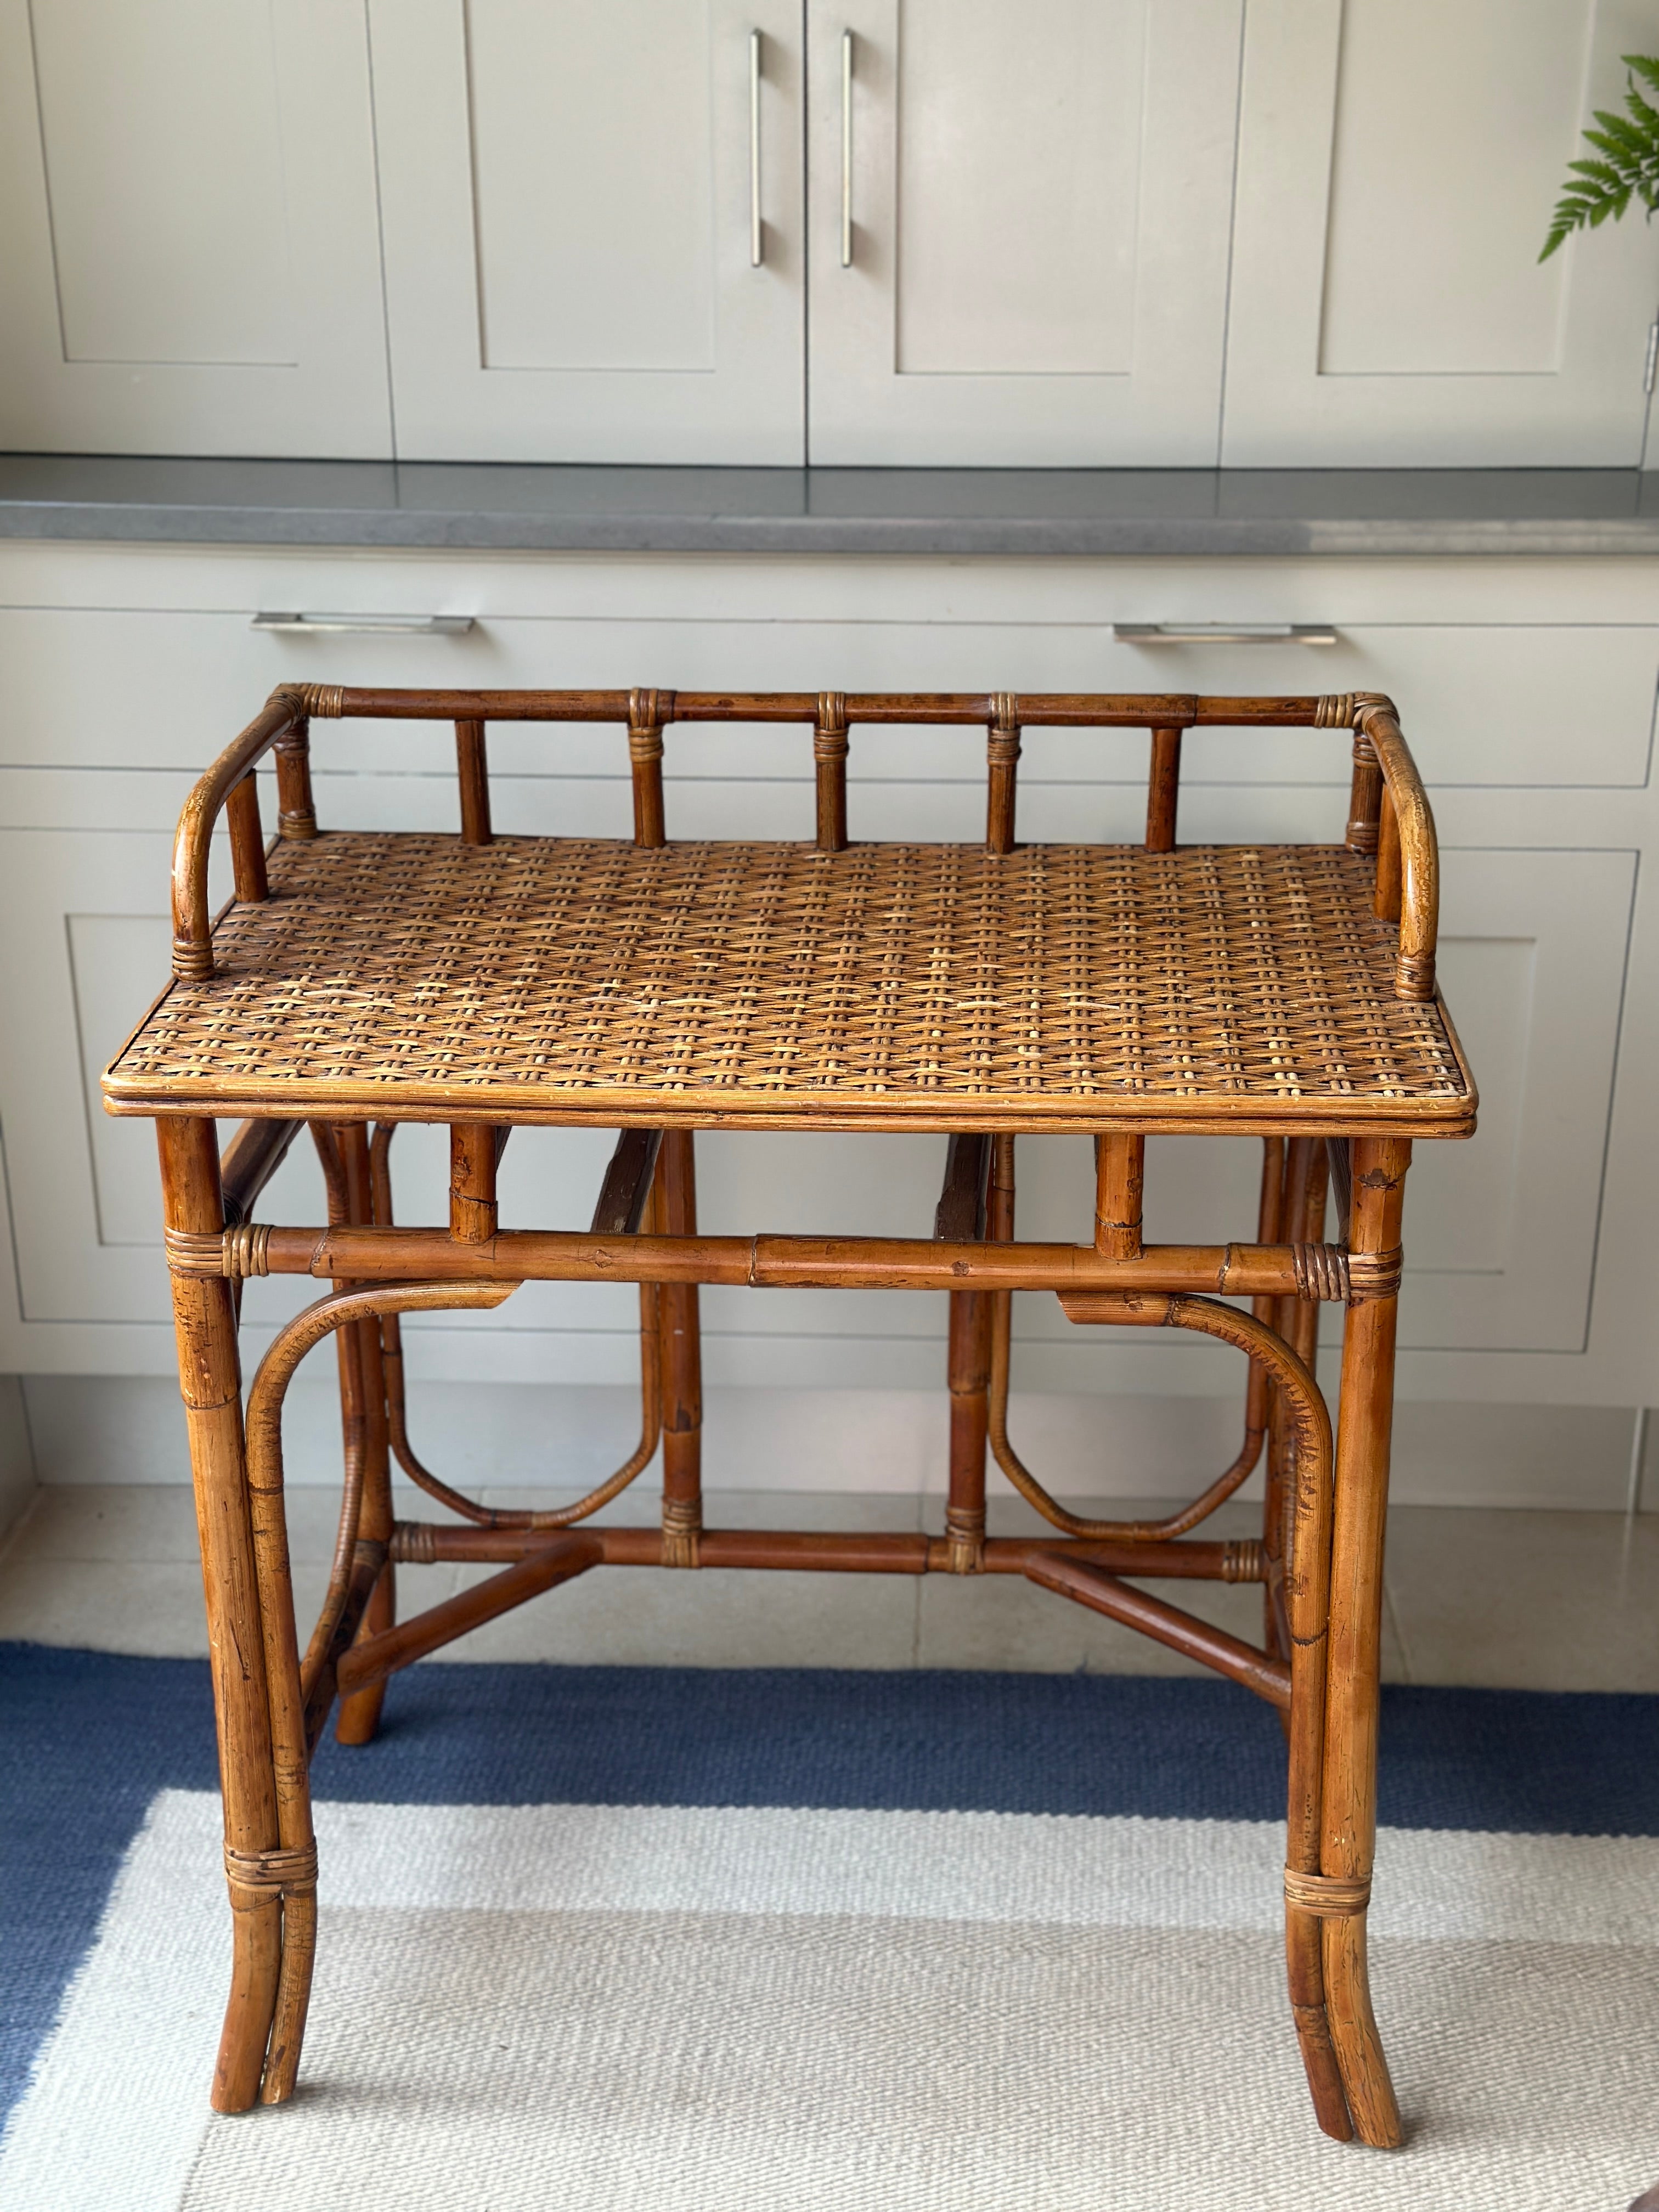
413, 1543
1243, 1560
280, 1873
1374, 1274
682, 1526
327, 700
1322, 1272
964, 1538
1332, 1896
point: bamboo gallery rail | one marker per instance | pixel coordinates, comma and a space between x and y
357, 980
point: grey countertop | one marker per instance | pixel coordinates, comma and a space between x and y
492, 507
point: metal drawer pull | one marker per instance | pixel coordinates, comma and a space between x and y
1224, 632
847, 149
756, 248
296, 625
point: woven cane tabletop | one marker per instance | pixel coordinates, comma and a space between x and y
920, 985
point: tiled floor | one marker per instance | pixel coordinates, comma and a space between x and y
1524, 1600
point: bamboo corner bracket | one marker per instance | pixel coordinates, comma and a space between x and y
979, 992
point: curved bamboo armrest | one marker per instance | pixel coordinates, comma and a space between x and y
1418, 850
193, 926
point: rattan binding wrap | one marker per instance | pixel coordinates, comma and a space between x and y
286, 1872
567, 973
1332, 1896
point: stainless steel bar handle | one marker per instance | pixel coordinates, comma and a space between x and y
300, 625
757, 244
1224, 632
847, 149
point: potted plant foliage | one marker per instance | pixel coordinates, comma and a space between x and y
1627, 166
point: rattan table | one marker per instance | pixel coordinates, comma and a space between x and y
1283, 993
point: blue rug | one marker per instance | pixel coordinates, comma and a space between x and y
720, 1877
89, 1738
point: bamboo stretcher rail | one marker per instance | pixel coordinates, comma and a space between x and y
359, 1254
1080, 1572
1165, 1623
1236, 1560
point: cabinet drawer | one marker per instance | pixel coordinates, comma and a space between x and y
1535, 704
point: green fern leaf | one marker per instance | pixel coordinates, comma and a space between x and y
1598, 190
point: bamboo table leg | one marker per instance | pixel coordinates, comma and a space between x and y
1301, 1219
211, 1381
682, 1363
1365, 1423
970, 1416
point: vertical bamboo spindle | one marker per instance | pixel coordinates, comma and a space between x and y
247, 843
1119, 1169
210, 1381
1000, 1197
647, 711
997, 1305
682, 1363
1002, 766
296, 813
474, 1149
367, 1429
473, 768
1269, 1213
1364, 796
1386, 904
1162, 791
829, 765
1364, 1432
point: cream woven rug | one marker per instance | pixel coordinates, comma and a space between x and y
792, 2011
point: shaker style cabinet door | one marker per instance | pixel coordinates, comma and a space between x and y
1020, 225
1398, 163
187, 229
593, 224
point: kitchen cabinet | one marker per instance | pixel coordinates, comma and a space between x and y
1398, 163
1086, 232
593, 235
1018, 230
190, 257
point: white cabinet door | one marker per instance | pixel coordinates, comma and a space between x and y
567, 200
1398, 160
188, 230
1039, 204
